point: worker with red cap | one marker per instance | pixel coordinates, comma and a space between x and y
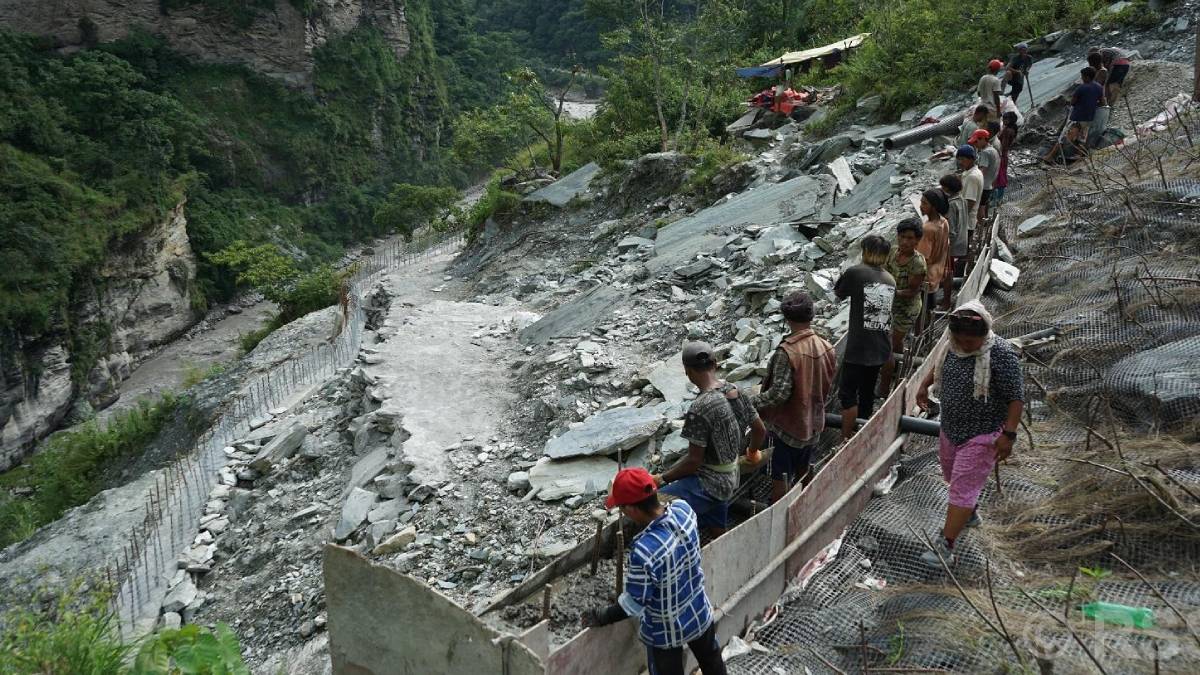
990, 88
988, 161
664, 583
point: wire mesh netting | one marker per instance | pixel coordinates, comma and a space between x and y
1113, 468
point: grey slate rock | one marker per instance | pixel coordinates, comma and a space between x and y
280, 448
869, 194
606, 433
1162, 383
354, 512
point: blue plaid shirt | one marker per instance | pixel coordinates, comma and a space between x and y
664, 584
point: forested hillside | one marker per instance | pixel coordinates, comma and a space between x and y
101, 139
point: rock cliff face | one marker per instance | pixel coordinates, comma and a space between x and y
279, 41
139, 300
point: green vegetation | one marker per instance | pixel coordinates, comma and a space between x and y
921, 48
97, 146
495, 201
713, 158
189, 650
408, 206
68, 633
74, 467
248, 341
194, 374
266, 269
74, 633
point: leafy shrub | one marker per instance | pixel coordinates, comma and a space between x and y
955, 41
409, 206
713, 157
191, 650
248, 341
71, 633
495, 201
74, 465
194, 374
267, 270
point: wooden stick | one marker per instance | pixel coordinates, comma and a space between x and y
1070, 630
961, 591
828, 665
546, 591
620, 559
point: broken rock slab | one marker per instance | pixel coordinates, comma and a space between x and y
772, 241
869, 194
396, 542
368, 467
606, 433
1003, 274
557, 479
668, 378
550, 548
1030, 224
354, 512
280, 448
572, 186
183, 594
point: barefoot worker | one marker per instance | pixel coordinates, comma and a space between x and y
664, 583
982, 394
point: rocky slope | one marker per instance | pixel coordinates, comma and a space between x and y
278, 41
140, 299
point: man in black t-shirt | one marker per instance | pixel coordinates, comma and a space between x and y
1084, 103
868, 340
1018, 71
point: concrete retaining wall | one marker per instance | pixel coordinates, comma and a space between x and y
382, 622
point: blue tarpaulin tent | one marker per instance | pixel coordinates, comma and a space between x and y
759, 71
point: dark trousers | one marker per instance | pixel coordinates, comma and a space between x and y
705, 647
858, 388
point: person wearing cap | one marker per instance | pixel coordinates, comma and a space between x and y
1018, 71
870, 290
664, 582
987, 158
1084, 103
792, 401
982, 394
715, 428
972, 182
990, 88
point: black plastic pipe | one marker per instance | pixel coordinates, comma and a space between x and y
912, 425
918, 134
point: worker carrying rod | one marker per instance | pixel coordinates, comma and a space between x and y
664, 583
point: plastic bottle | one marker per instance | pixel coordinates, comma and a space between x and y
1119, 615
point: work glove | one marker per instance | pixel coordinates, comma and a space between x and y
601, 616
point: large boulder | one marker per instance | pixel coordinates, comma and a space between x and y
1160, 384
559, 479
280, 448
606, 433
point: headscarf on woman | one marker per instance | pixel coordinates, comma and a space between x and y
983, 355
